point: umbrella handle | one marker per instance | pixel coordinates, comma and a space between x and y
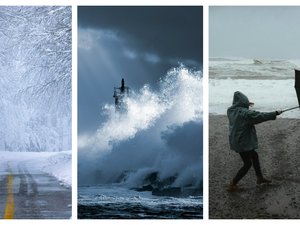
291, 108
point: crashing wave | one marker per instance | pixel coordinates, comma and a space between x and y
160, 132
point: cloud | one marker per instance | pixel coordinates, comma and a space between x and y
152, 58
89, 38
171, 32
131, 54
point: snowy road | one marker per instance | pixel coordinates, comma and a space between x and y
27, 193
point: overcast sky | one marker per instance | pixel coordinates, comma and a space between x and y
254, 32
139, 44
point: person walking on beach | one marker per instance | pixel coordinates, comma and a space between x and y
243, 138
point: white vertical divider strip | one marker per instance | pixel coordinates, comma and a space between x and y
205, 111
74, 112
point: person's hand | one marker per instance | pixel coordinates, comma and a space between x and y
278, 112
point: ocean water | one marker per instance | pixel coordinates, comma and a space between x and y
117, 202
267, 83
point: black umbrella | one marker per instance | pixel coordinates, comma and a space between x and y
297, 87
297, 84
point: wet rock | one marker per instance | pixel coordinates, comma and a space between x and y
145, 188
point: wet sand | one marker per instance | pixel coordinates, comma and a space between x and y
279, 152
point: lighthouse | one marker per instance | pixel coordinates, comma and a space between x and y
119, 94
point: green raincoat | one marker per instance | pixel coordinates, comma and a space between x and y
242, 133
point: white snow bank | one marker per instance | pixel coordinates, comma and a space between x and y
57, 164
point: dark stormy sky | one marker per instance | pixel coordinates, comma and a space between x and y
138, 43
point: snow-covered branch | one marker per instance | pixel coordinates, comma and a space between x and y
35, 77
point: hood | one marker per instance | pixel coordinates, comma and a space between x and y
240, 100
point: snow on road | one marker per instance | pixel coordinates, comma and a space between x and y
57, 164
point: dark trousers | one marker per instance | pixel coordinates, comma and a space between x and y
249, 158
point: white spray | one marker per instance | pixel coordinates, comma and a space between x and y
151, 117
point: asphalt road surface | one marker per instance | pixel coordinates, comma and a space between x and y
26, 194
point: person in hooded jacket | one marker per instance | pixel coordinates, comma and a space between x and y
243, 138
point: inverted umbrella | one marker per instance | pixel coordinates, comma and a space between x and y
297, 87
297, 84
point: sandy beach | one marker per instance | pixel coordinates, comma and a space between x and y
279, 152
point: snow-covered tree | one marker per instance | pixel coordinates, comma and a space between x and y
35, 78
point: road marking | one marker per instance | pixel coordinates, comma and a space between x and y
10, 207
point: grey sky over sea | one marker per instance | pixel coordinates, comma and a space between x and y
270, 32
